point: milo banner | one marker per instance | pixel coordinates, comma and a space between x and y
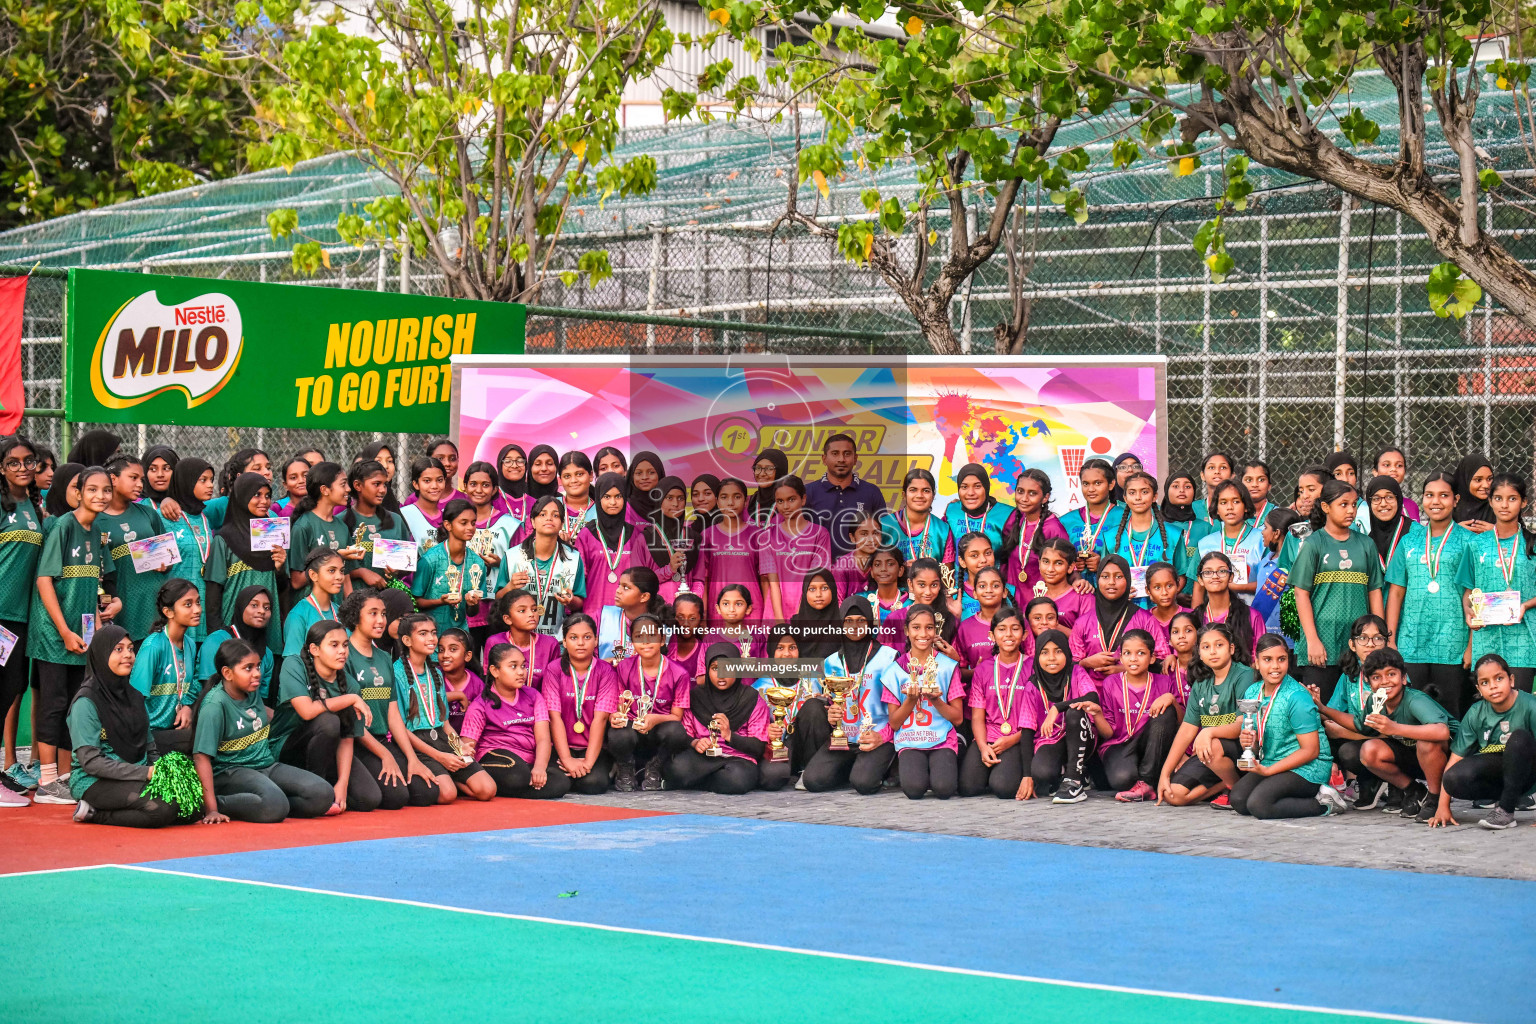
141, 348
715, 414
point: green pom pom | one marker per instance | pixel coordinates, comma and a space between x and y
1290, 622
400, 585
177, 784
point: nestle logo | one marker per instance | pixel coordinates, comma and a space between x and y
188, 315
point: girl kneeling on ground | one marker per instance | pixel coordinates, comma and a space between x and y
739, 717
1291, 778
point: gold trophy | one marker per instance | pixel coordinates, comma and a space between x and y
620, 718
1478, 601
476, 575
926, 682
714, 740
455, 577
837, 687
1249, 708
947, 574
745, 647
643, 709
781, 698
1040, 587
457, 743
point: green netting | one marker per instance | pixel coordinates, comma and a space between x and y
1253, 361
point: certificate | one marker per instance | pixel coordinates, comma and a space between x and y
1502, 608
1138, 581
153, 553
399, 555
7, 644
269, 534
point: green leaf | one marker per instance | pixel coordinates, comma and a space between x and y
1489, 179
1450, 294
282, 223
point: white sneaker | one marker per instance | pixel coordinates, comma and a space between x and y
11, 798
84, 811
55, 792
1332, 800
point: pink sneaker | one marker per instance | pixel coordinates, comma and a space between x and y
1222, 803
1336, 778
1136, 794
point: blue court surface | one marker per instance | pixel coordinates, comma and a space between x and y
1334, 939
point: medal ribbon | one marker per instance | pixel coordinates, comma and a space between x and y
1265, 707
922, 547
1434, 567
618, 552
181, 673
425, 694
1114, 634
579, 686
1508, 573
1247, 529
1139, 559
1131, 725
1397, 535
1013, 685
204, 541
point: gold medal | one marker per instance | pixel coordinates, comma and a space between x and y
578, 728
1006, 728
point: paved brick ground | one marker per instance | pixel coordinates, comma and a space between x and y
1367, 839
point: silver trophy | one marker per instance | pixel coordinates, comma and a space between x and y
1379, 701
1249, 709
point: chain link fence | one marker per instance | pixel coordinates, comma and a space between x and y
1322, 337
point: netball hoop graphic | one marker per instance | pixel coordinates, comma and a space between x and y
1072, 466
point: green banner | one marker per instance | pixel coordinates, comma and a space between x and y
142, 348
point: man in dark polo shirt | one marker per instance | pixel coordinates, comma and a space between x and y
839, 496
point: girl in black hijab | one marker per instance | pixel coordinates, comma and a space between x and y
741, 719
184, 483
705, 517
1471, 509
1387, 527
57, 503
111, 724
817, 631
95, 447
1056, 751
232, 545
667, 534
550, 489
1347, 462
644, 501
760, 506
169, 456
1179, 513
609, 526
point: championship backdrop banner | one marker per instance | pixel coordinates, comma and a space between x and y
714, 414
148, 349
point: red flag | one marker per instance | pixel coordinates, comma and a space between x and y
13, 299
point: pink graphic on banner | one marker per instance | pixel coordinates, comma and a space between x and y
716, 419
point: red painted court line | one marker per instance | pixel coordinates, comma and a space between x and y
43, 836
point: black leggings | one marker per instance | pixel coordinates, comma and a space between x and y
629, 744
811, 733
1451, 685
1140, 759
690, 769
1523, 677
1286, 795
417, 792
312, 746
56, 689
595, 782
1504, 775
866, 770
1065, 759
179, 740
15, 674
1003, 778
118, 802
268, 795
922, 770
514, 777
1324, 677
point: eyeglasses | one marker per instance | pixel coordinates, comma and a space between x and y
1382, 500
20, 463
1374, 640
1215, 574
514, 462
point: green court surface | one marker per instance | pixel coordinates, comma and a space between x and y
157, 947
